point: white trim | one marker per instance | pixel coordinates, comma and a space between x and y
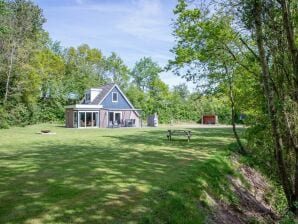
83, 106
115, 101
114, 113
124, 109
96, 123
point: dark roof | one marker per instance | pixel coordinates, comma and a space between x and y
104, 91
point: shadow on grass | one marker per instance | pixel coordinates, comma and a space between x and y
140, 178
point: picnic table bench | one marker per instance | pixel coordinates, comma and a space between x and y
170, 133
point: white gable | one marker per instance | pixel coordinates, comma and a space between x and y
91, 94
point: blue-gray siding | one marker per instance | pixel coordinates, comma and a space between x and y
121, 104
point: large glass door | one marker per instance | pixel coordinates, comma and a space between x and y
111, 119
88, 119
117, 117
114, 118
82, 119
95, 120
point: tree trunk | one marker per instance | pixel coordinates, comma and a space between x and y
269, 94
288, 26
233, 113
9, 73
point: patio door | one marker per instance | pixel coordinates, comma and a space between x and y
117, 117
88, 119
114, 118
82, 119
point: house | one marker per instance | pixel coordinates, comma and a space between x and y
103, 107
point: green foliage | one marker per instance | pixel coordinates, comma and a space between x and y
116, 71
289, 218
145, 73
19, 115
3, 118
249, 55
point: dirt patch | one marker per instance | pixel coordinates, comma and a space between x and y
251, 206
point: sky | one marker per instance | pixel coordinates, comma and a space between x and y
131, 28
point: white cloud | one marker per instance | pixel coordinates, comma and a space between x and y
146, 21
131, 28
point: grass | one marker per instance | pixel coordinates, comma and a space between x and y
111, 175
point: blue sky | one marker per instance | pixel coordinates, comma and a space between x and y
131, 28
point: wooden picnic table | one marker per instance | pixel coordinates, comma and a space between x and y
173, 132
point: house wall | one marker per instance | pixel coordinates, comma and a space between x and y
103, 118
69, 118
121, 104
131, 115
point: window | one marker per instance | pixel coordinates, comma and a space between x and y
114, 118
115, 97
82, 121
87, 97
75, 119
88, 119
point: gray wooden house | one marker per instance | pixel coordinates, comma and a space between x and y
103, 107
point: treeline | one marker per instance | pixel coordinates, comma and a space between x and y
248, 51
38, 76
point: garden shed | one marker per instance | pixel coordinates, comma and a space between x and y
209, 119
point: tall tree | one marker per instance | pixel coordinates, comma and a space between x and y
144, 73
253, 37
181, 90
206, 45
24, 26
278, 79
116, 71
84, 68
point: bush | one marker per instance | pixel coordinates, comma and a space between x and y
3, 118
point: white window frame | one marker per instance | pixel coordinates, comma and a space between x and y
114, 115
85, 126
115, 101
75, 122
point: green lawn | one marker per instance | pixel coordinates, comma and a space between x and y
111, 175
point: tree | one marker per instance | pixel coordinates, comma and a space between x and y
24, 24
84, 68
3, 12
116, 71
156, 96
144, 73
279, 84
256, 45
206, 45
181, 90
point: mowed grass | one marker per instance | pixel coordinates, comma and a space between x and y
111, 175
